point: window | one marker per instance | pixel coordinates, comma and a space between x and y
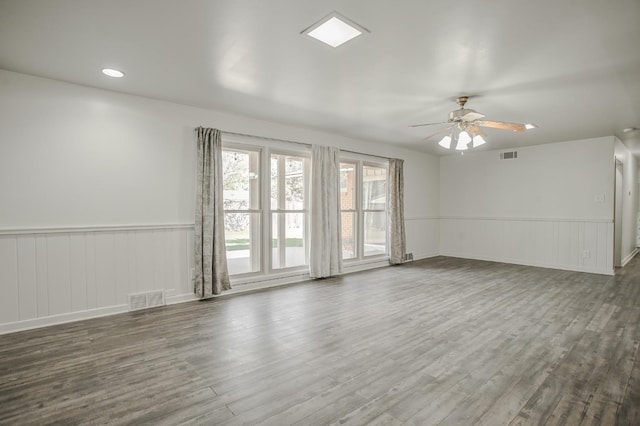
289, 210
349, 213
363, 198
242, 212
266, 208
374, 208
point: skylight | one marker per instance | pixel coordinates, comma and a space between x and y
334, 30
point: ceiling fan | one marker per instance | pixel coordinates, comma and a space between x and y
465, 126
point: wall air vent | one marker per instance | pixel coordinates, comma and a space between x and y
146, 300
509, 155
155, 298
137, 301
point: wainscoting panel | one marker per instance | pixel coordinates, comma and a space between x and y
56, 260
9, 280
49, 276
578, 245
65, 274
423, 236
27, 277
91, 283
57, 275
42, 288
78, 272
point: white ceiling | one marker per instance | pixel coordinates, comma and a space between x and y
570, 66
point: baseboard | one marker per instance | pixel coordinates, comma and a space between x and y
180, 298
424, 256
365, 265
629, 257
259, 285
29, 324
536, 264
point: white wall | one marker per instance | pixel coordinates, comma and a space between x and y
638, 213
629, 200
76, 156
97, 199
123, 167
552, 206
422, 210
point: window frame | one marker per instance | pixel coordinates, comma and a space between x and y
265, 149
353, 210
238, 147
306, 211
360, 162
360, 204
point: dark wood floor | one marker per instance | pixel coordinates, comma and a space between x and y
440, 341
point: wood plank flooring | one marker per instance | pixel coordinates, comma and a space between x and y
439, 341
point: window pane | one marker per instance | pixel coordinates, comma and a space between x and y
374, 188
241, 182
375, 233
294, 183
287, 182
242, 238
288, 243
347, 186
349, 232
274, 182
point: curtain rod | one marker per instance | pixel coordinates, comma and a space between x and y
299, 143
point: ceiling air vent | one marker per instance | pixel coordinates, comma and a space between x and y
508, 155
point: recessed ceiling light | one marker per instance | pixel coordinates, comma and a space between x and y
530, 126
112, 73
334, 30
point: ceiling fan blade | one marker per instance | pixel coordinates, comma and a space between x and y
478, 136
472, 116
476, 130
439, 132
428, 124
517, 127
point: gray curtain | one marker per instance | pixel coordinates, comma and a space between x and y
397, 237
211, 272
325, 258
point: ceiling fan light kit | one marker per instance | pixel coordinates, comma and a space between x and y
445, 142
465, 127
478, 140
